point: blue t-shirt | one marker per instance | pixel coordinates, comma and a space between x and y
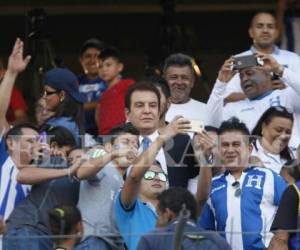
253, 210
92, 89
135, 221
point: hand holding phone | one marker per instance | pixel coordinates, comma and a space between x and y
196, 126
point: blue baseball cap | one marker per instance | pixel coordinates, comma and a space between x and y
64, 79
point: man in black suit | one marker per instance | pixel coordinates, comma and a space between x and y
143, 107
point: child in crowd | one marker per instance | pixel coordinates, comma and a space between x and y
65, 223
112, 104
90, 84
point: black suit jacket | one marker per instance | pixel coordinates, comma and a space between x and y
180, 160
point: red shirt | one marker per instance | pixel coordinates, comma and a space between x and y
112, 106
17, 102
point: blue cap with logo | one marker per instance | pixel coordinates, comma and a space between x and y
64, 79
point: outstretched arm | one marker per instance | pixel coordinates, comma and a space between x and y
132, 184
16, 64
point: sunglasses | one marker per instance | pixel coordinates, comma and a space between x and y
47, 93
150, 175
237, 187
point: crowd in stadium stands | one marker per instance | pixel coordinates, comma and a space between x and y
110, 163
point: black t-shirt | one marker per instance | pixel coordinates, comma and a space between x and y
287, 213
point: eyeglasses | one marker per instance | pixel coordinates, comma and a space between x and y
150, 175
46, 93
238, 190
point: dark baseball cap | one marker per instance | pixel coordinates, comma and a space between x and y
64, 79
91, 43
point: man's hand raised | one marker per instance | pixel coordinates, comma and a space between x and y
226, 73
176, 126
16, 62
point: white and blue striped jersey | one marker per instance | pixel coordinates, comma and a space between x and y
251, 212
11, 192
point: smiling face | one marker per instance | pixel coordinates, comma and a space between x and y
255, 81
181, 81
21, 147
129, 141
263, 31
53, 97
90, 62
144, 111
150, 189
277, 133
234, 150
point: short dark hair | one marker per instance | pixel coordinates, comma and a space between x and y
110, 52
16, 131
91, 43
266, 118
122, 129
174, 198
179, 59
211, 129
141, 86
62, 220
60, 135
233, 124
265, 12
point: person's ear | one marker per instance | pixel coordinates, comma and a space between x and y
168, 103
250, 148
62, 95
250, 32
120, 67
127, 114
54, 145
170, 214
10, 143
108, 147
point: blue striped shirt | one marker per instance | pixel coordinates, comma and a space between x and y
11, 192
252, 212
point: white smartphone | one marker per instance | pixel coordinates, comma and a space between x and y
197, 126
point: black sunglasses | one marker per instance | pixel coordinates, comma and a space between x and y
46, 93
150, 175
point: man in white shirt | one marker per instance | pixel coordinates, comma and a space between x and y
180, 76
263, 31
257, 86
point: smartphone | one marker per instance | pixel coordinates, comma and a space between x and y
42, 137
197, 126
242, 62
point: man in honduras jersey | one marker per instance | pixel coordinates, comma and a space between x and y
245, 198
16, 143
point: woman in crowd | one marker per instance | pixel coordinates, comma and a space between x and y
271, 137
63, 98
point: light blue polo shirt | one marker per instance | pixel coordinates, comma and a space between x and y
135, 221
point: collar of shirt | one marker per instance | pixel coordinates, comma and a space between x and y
275, 157
152, 136
276, 50
262, 96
